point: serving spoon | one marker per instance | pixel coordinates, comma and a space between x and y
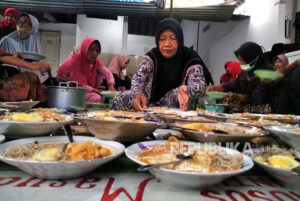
68, 131
179, 157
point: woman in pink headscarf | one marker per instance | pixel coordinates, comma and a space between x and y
8, 24
280, 61
85, 68
116, 66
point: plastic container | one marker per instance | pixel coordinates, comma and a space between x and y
219, 108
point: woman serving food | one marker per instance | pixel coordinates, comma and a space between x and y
168, 75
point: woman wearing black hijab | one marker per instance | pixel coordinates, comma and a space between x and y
168, 75
247, 93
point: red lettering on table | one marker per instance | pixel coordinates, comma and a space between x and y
88, 180
259, 181
275, 195
110, 197
10, 180
58, 183
206, 194
38, 184
230, 193
295, 194
24, 183
254, 193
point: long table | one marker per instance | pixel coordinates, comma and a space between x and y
119, 180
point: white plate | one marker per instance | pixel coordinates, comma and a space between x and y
287, 135
2, 138
21, 105
32, 56
285, 176
16, 129
60, 170
185, 179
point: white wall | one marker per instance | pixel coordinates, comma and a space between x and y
108, 32
68, 37
264, 27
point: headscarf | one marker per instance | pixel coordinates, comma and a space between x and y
75, 50
250, 51
283, 59
12, 43
117, 64
169, 73
227, 64
15, 14
235, 69
83, 72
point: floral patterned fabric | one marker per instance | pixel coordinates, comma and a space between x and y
142, 83
22, 86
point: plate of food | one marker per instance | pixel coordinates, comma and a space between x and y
197, 172
289, 135
279, 163
21, 124
46, 157
118, 125
268, 75
20, 106
218, 132
216, 94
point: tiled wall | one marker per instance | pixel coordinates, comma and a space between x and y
132, 66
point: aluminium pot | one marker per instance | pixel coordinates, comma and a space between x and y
66, 97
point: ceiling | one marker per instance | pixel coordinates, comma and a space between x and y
65, 11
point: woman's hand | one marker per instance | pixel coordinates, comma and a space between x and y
41, 66
183, 97
111, 87
214, 88
233, 96
140, 102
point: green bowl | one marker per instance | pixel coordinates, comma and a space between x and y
98, 106
219, 108
268, 75
109, 94
216, 94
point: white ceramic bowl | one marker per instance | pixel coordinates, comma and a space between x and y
2, 138
284, 176
287, 135
60, 170
16, 129
118, 130
185, 179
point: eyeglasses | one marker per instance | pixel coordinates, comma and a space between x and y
23, 23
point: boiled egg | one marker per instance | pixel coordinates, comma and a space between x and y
51, 154
27, 117
285, 162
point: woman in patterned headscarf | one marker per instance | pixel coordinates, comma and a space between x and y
168, 75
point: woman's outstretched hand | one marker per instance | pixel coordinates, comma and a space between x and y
41, 66
140, 102
183, 97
